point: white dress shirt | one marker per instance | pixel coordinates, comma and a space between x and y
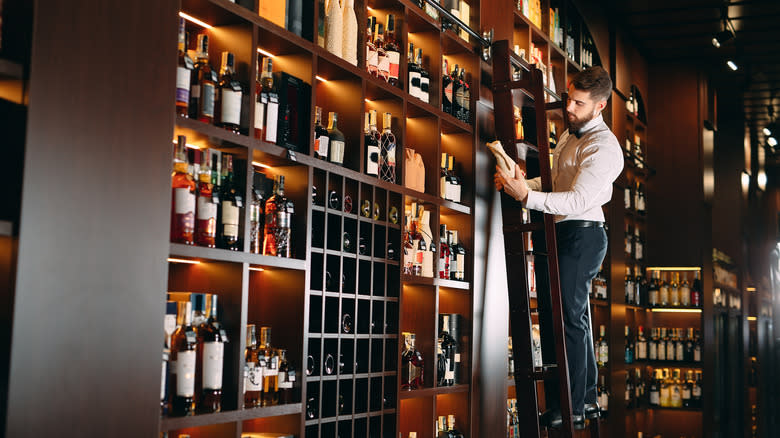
583, 171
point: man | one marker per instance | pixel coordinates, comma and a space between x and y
586, 162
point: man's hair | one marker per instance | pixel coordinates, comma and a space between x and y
596, 80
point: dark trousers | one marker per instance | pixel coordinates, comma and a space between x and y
580, 253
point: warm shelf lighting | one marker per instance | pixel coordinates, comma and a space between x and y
369, 8
252, 268
189, 145
673, 310
731, 65
187, 261
320, 78
750, 289
192, 19
771, 141
674, 268
367, 101
259, 164
264, 53
752, 318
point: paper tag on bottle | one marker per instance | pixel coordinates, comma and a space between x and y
195, 92
271, 118
449, 375
206, 209
372, 160
457, 357
259, 115
393, 59
207, 96
321, 144
253, 380
213, 353
183, 84
184, 201
231, 106
185, 373
337, 151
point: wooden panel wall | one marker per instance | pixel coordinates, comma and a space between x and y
91, 274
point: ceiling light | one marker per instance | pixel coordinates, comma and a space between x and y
715, 42
721, 37
771, 141
767, 132
731, 65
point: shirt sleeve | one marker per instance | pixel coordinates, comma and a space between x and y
599, 166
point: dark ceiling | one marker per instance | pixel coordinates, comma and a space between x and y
680, 30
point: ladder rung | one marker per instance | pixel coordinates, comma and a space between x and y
524, 84
558, 104
522, 228
546, 372
537, 253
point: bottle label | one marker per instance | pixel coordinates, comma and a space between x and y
394, 63
284, 383
183, 84
655, 398
670, 351
231, 106
207, 210
213, 352
459, 96
372, 59
697, 354
414, 83
697, 391
185, 373
448, 93
229, 219
641, 350
195, 92
425, 86
686, 394
603, 401
337, 151
207, 101
271, 119
661, 352
321, 144
184, 201
383, 66
372, 160
652, 351
254, 378
259, 115
679, 351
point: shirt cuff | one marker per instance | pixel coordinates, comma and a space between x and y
535, 200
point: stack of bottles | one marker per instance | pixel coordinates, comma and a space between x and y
412, 364
381, 147
661, 293
418, 244
446, 427
383, 53
634, 247
456, 93
338, 31
452, 255
556, 31
269, 378
419, 78
531, 9
598, 289
193, 355
450, 183
512, 419
666, 388
270, 217
634, 198
448, 349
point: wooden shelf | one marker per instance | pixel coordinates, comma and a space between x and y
431, 392
10, 69
453, 284
669, 363
223, 255
599, 302
420, 281
659, 408
173, 423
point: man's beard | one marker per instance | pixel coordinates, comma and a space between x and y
578, 123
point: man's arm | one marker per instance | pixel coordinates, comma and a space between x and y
535, 183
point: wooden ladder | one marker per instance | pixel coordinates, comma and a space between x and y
543, 235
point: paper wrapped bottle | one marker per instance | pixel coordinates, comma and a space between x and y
334, 28
350, 33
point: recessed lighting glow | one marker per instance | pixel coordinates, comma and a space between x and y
192, 19
767, 132
189, 145
674, 268
187, 261
259, 164
264, 53
252, 268
761, 180
731, 65
771, 141
750, 289
751, 318
320, 78
672, 310
716, 43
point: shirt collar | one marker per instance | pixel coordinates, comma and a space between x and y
590, 125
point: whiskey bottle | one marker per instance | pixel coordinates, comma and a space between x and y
278, 222
371, 54
457, 93
465, 98
629, 350
211, 352
392, 52
382, 62
334, 29
425, 79
671, 345
446, 362
653, 292
183, 74
256, 213
689, 346
553, 137
676, 389
663, 292
679, 346
413, 70
603, 397
253, 374
602, 347
638, 245
286, 378
446, 89
629, 286
655, 388
441, 427
641, 345
349, 33
639, 287
444, 175
696, 390
412, 364
661, 344
321, 138
266, 102
230, 210
696, 290
687, 390
685, 292
206, 225
697, 347
460, 258
203, 87
336, 139
269, 363
372, 144
444, 253
452, 431
387, 150
674, 291
183, 357
229, 95
183, 197
652, 345
453, 181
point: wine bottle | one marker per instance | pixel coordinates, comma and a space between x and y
336, 139
334, 29
278, 222
465, 98
371, 54
382, 62
253, 375
230, 209
372, 144
211, 350
444, 253
206, 224
183, 357
229, 95
446, 87
256, 213
388, 150
321, 139
392, 52
425, 79
412, 364
203, 87
457, 93
183, 74
414, 73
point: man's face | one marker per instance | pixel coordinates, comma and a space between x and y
581, 108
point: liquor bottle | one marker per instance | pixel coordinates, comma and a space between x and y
629, 351
425, 79
674, 291
269, 363
446, 89
553, 136
639, 287
183, 197
444, 253
266, 102
392, 52
413, 70
518, 117
286, 378
696, 390
603, 397
164, 382
183, 74
457, 93
679, 346
183, 357
203, 86
206, 225
447, 362
655, 388
256, 212
628, 242
382, 62
687, 390
662, 344
652, 345
696, 290
453, 181
372, 145
629, 396
388, 149
641, 345
278, 222
441, 427
665, 399
676, 389
198, 309
452, 431
407, 243
639, 387
443, 175
336, 140
465, 98
627, 196
638, 245
230, 210
372, 61
418, 242
211, 351
253, 374
460, 258
663, 292
412, 364
429, 249
321, 136
685, 292
602, 347
653, 292
349, 33
629, 289
228, 95
697, 347
334, 29
689, 345
671, 342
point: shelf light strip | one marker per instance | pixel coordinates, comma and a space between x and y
252, 268
752, 318
677, 310
189, 145
674, 268
188, 261
751, 289
259, 164
320, 78
265, 53
192, 19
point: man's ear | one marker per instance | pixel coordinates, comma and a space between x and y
601, 105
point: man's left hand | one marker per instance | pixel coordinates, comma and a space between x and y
513, 185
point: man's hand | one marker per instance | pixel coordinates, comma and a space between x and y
513, 185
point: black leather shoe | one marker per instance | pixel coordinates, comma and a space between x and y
552, 419
592, 411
